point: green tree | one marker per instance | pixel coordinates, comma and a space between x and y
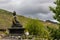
56, 11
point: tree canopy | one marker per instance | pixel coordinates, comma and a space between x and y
56, 10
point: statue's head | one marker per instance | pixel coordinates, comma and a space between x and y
14, 13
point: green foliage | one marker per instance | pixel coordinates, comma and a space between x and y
56, 10
36, 28
54, 33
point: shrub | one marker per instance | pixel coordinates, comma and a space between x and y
35, 27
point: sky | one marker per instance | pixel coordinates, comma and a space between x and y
30, 8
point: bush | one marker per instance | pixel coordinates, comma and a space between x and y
54, 33
35, 27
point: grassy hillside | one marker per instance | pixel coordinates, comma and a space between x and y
6, 20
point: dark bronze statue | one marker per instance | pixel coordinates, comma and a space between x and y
15, 21
16, 28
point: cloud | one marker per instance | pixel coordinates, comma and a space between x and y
33, 8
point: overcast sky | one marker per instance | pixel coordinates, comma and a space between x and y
30, 8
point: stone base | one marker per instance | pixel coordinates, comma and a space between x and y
16, 31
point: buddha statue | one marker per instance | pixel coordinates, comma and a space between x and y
15, 22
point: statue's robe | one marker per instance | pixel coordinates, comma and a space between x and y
16, 22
